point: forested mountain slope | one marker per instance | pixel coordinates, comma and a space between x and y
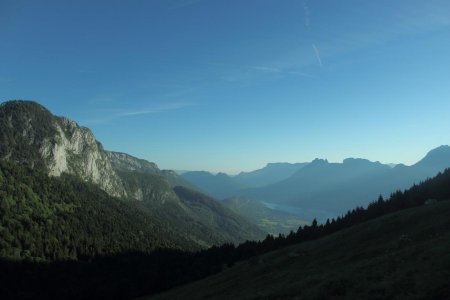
56, 218
31, 137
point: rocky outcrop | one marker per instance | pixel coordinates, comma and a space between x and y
75, 150
30, 134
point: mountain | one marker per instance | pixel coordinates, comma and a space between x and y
30, 136
127, 163
434, 160
269, 220
271, 173
400, 245
219, 219
333, 188
403, 255
47, 218
223, 186
320, 189
219, 186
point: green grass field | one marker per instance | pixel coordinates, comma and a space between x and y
405, 255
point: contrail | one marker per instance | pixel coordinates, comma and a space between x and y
306, 13
316, 51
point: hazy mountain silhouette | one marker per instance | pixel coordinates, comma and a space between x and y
337, 187
219, 186
271, 173
223, 186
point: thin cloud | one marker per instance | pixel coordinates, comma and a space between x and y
266, 69
316, 51
301, 74
145, 111
166, 107
275, 69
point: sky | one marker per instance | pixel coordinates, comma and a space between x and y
232, 85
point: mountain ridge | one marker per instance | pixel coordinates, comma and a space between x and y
222, 185
329, 188
354, 182
30, 135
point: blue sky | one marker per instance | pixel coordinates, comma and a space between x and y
231, 85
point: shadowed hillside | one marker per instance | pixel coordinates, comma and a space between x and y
405, 255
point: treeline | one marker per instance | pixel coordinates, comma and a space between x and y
133, 274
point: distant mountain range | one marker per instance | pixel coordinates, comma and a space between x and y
271, 173
337, 187
222, 186
219, 186
320, 187
159, 206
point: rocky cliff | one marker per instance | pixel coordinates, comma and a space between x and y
31, 134
76, 151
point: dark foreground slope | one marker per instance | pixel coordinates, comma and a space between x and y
405, 255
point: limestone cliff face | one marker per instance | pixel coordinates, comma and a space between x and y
30, 134
75, 150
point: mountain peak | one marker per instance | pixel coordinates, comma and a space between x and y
440, 149
24, 109
22, 103
222, 174
437, 156
319, 161
359, 161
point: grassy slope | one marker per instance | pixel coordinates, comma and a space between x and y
368, 261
